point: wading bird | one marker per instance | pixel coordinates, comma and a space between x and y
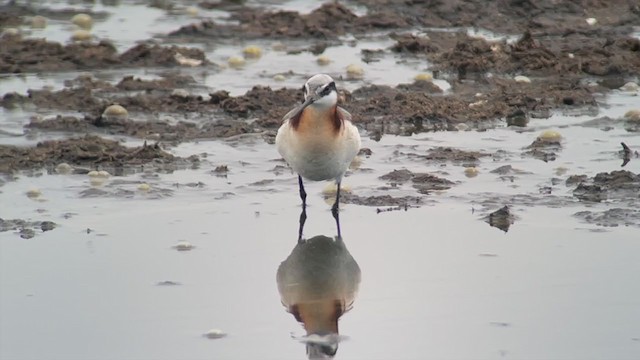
318, 140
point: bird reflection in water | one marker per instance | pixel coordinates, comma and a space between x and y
318, 283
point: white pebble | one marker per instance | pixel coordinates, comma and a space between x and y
522, 79
82, 20
115, 111
323, 60
185, 61
81, 35
181, 93
183, 246
423, 77
550, 136
144, 187
632, 115
38, 22
64, 168
630, 87
591, 21
33, 193
236, 62
471, 172
252, 51
355, 71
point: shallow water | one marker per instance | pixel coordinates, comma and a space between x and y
436, 281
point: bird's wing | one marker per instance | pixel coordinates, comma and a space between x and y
344, 114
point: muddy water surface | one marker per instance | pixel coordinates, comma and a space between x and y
178, 259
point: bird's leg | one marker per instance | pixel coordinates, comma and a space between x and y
303, 194
335, 209
303, 219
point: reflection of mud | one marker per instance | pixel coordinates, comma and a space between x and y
88, 150
26, 229
611, 217
422, 181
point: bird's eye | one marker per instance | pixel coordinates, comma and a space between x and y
327, 89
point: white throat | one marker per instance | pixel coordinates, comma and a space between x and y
326, 102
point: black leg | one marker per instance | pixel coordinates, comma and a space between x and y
303, 219
335, 209
303, 194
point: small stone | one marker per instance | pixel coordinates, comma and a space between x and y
279, 77
355, 71
522, 79
591, 21
236, 62
252, 52
82, 20
38, 22
11, 32
183, 246
214, 334
185, 61
144, 187
423, 77
181, 93
115, 112
550, 136
632, 115
64, 168
630, 87
471, 172
81, 35
47, 226
191, 11
33, 193
278, 46
462, 127
323, 60
103, 174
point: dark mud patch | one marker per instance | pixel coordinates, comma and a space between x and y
18, 55
89, 151
329, 21
26, 229
611, 217
618, 185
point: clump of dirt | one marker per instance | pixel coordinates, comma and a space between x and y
616, 185
329, 21
89, 150
544, 149
18, 55
501, 218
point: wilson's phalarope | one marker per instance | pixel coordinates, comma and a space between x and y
317, 138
